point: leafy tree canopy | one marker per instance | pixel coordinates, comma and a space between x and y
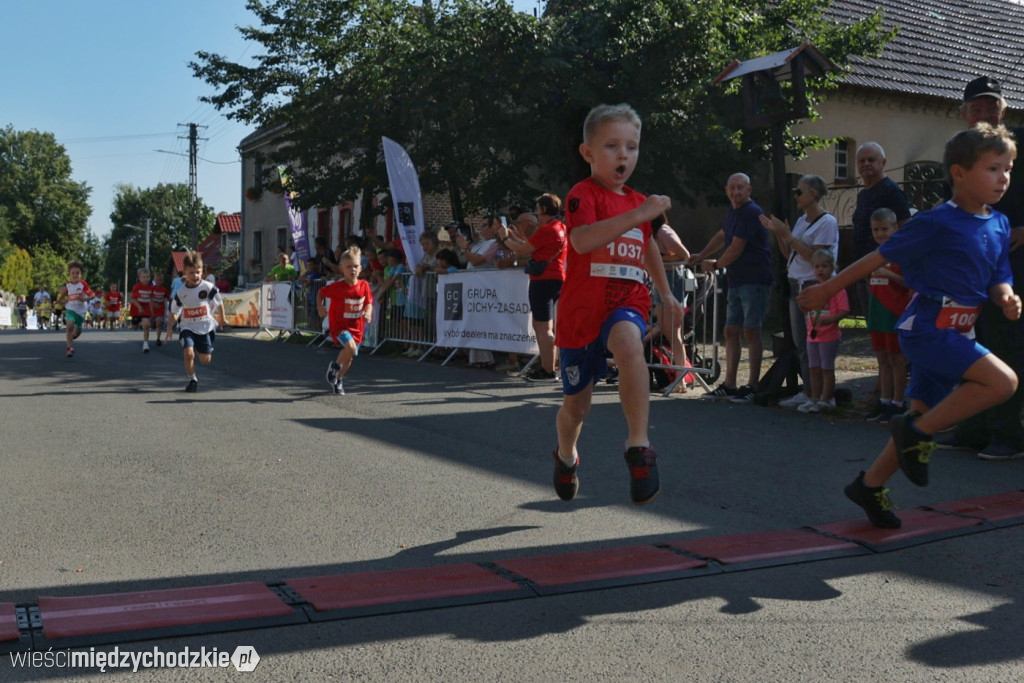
39, 202
168, 208
16, 272
490, 102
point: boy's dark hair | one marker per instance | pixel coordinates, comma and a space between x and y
551, 203
964, 148
74, 264
395, 254
430, 235
448, 255
192, 259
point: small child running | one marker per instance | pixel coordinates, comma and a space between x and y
604, 303
140, 300
74, 296
350, 311
198, 306
954, 257
823, 336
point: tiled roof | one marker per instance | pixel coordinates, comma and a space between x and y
179, 260
228, 223
941, 45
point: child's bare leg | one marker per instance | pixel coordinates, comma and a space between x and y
204, 358
190, 361
815, 384
885, 385
145, 329
988, 382
569, 421
625, 343
828, 384
898, 363
69, 332
345, 357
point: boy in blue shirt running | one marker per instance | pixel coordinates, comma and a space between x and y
954, 257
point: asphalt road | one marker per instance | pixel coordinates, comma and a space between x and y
117, 480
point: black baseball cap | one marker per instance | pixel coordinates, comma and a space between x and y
983, 86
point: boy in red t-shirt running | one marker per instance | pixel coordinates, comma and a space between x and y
139, 300
158, 305
604, 303
350, 311
112, 305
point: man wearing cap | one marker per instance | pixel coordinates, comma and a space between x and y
997, 433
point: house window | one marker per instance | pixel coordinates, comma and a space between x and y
282, 239
842, 159
257, 246
257, 175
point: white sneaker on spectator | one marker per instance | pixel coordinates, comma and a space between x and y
827, 405
809, 406
795, 401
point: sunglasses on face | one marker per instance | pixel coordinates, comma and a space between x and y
798, 192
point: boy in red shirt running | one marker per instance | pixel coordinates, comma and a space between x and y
112, 305
604, 303
140, 299
350, 311
158, 304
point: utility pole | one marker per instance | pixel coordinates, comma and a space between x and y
193, 194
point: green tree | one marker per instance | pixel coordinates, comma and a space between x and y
39, 202
167, 208
50, 269
490, 102
16, 272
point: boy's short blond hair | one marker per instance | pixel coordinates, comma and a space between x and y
353, 253
603, 113
143, 270
964, 148
884, 215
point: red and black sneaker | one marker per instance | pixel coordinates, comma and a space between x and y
567, 484
644, 485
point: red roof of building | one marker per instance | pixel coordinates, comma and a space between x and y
179, 261
228, 222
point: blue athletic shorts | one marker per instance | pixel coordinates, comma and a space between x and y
343, 338
938, 358
202, 343
745, 306
581, 368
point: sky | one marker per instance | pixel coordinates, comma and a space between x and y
110, 80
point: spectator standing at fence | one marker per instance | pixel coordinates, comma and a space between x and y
997, 433
823, 337
674, 255
815, 229
879, 191
544, 245
282, 272
326, 261
747, 259
396, 276
481, 254
889, 298
351, 310
954, 257
605, 302
453, 228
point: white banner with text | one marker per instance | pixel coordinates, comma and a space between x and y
485, 309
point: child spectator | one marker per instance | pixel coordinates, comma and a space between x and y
954, 257
97, 315
823, 337
604, 302
158, 304
887, 300
447, 261
199, 307
44, 309
351, 310
73, 296
396, 277
139, 301
112, 305
22, 306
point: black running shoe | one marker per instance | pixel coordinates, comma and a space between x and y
643, 474
567, 484
721, 393
339, 388
332, 374
875, 503
71, 353
913, 449
744, 396
875, 412
192, 386
541, 375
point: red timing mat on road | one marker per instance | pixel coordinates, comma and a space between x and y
8, 622
766, 546
345, 591
81, 616
997, 509
919, 526
606, 564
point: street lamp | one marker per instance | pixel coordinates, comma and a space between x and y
145, 230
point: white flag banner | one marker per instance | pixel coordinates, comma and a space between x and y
485, 309
405, 194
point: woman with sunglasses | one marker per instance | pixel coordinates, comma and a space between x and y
815, 229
